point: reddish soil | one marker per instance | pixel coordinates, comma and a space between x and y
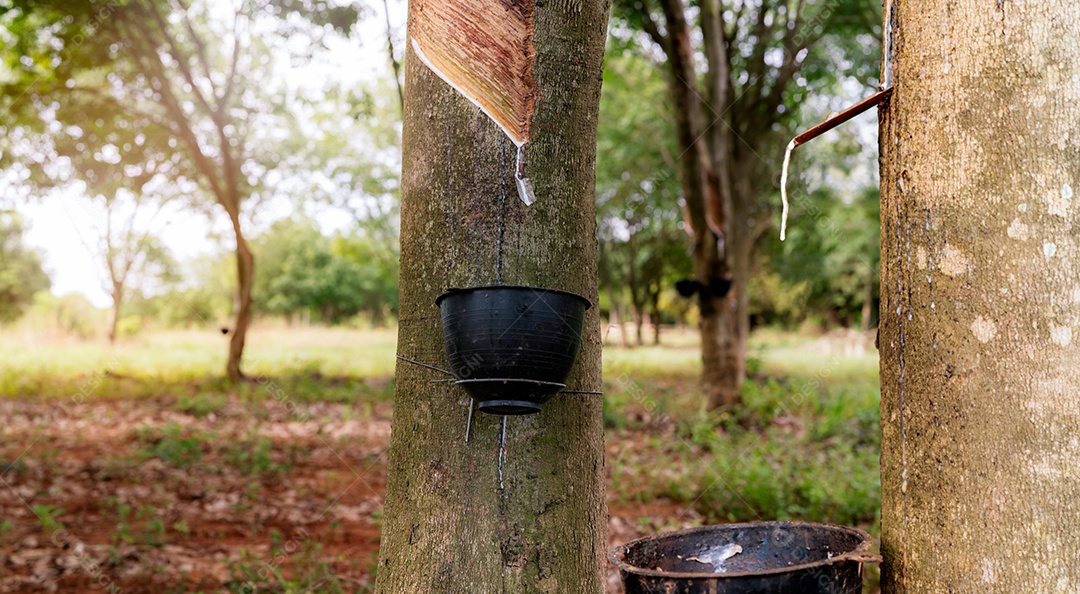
137, 497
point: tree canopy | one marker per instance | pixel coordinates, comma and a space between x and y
21, 272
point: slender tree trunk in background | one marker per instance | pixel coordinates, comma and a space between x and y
117, 294
637, 298
527, 515
617, 311
607, 284
245, 280
868, 303
655, 302
980, 306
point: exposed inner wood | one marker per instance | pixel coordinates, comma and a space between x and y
485, 51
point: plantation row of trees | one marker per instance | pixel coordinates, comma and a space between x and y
152, 107
307, 276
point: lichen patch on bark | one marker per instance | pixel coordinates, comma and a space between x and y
983, 329
1018, 230
1060, 201
953, 261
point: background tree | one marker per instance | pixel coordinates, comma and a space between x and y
732, 114
132, 257
829, 265
123, 241
200, 81
524, 513
21, 272
980, 300
346, 159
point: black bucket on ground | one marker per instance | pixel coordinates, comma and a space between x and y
771, 558
511, 348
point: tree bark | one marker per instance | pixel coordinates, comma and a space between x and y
491, 516
980, 299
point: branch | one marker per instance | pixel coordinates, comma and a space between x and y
733, 33
152, 62
755, 70
230, 82
132, 111
393, 59
200, 49
652, 29
181, 62
787, 69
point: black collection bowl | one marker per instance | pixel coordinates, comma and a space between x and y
511, 347
772, 557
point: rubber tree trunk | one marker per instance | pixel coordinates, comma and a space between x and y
980, 311
491, 516
723, 341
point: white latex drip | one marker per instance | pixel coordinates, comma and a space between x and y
524, 186
783, 189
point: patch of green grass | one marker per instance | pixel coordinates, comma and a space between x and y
122, 533
48, 517
190, 362
312, 572
201, 404
173, 445
254, 455
802, 445
153, 525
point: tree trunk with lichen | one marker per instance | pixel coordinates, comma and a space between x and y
980, 309
526, 514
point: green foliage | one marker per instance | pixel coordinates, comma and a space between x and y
70, 314
254, 455
643, 249
143, 526
200, 405
314, 572
21, 272
802, 445
829, 264
790, 65
329, 279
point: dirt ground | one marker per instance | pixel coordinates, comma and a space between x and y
137, 497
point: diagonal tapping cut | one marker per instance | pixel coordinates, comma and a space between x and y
484, 50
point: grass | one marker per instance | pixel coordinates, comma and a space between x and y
186, 362
48, 517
